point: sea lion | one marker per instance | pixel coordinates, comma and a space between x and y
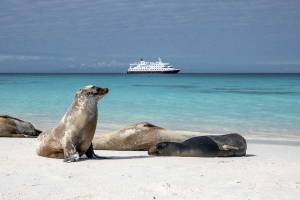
13, 127
203, 146
137, 137
73, 136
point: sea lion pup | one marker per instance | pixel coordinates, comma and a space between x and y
137, 137
13, 127
73, 136
203, 146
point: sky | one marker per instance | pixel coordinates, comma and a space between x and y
207, 36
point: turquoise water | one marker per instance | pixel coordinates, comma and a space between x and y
248, 104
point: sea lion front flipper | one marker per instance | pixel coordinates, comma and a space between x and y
72, 158
229, 147
91, 154
70, 153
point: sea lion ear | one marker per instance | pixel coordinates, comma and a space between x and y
78, 92
89, 87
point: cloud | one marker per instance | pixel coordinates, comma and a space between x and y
217, 31
12, 57
19, 57
283, 62
103, 64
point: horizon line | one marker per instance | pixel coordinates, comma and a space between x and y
90, 73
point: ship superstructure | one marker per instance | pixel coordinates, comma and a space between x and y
151, 67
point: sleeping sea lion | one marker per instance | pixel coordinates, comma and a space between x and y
137, 137
13, 127
203, 146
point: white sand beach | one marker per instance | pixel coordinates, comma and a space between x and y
271, 171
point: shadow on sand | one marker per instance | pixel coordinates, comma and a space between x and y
139, 157
250, 155
113, 158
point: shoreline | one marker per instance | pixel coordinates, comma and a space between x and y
257, 138
263, 138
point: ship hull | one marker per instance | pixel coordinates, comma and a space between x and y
154, 72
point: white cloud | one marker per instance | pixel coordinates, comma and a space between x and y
18, 57
103, 64
12, 57
280, 62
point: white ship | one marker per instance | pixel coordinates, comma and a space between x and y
151, 67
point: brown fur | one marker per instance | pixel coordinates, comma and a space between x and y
140, 136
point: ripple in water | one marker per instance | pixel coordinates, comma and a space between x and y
165, 86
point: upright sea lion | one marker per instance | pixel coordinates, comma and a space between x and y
203, 146
13, 127
73, 136
137, 137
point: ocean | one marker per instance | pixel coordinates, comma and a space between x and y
250, 104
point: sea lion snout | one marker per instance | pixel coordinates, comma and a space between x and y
166, 149
102, 91
159, 149
153, 150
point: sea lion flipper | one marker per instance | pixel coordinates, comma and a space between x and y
229, 147
91, 154
38, 131
70, 153
72, 158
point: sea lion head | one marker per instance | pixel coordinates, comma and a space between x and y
27, 129
92, 91
165, 149
17, 126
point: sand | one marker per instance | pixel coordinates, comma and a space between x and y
271, 171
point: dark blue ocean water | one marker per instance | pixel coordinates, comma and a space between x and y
249, 103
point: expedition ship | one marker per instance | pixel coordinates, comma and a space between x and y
151, 67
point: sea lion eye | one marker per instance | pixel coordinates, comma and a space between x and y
161, 146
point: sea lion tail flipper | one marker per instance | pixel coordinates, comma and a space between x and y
229, 147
